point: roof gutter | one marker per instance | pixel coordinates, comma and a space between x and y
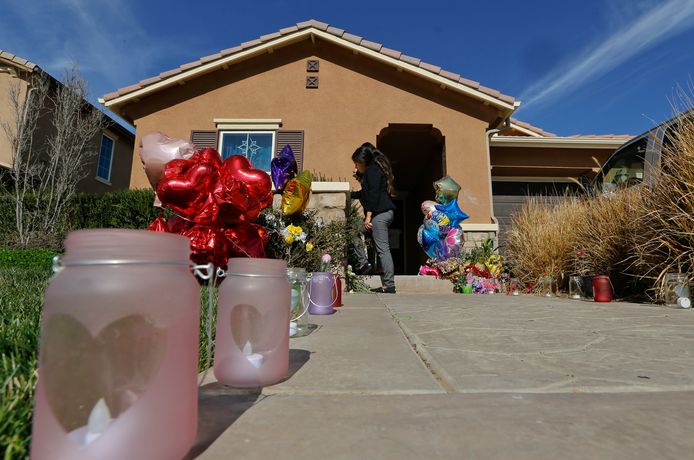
558, 142
489, 133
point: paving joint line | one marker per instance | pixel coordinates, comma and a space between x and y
438, 373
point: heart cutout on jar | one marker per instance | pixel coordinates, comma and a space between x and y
80, 372
254, 332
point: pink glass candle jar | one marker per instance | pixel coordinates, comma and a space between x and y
321, 293
252, 345
119, 350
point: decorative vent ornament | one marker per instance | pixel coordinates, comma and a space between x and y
312, 81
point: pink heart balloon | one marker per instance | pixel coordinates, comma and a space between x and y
157, 149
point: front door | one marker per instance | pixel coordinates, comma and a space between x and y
416, 152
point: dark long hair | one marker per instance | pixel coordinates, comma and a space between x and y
368, 154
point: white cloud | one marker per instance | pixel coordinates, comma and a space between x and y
652, 26
110, 44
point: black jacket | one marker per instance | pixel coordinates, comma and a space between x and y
374, 191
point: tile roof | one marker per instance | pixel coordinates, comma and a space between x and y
544, 133
532, 128
600, 136
6, 55
377, 47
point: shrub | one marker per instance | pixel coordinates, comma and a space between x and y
546, 236
122, 209
667, 243
542, 237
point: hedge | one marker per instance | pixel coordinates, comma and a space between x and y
122, 209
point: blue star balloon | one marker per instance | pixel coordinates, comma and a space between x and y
454, 213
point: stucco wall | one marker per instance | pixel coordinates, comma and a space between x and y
7, 113
528, 161
120, 167
124, 145
356, 99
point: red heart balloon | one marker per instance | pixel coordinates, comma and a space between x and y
187, 186
245, 240
235, 204
207, 244
177, 224
258, 182
207, 156
158, 225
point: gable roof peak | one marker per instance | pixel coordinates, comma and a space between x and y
326, 32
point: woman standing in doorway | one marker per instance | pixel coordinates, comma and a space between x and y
374, 172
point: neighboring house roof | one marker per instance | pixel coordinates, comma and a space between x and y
18, 61
13, 59
297, 33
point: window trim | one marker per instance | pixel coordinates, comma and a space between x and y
103, 180
220, 137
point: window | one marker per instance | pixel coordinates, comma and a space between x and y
625, 168
257, 146
103, 168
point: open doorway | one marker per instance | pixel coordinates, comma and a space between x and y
418, 155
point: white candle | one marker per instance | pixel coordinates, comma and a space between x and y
256, 359
98, 422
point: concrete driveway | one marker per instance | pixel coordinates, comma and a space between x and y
466, 376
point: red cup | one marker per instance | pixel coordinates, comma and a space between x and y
602, 289
337, 291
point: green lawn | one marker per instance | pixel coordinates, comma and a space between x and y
21, 298
20, 304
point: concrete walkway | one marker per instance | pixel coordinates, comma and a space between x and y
465, 376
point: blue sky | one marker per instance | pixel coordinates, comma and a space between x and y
580, 67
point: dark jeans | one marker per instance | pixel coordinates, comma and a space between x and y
381, 222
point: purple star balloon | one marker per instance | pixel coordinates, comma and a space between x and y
283, 168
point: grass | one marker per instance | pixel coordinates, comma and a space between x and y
21, 303
667, 244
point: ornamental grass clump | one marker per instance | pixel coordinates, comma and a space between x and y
542, 237
573, 235
667, 244
605, 230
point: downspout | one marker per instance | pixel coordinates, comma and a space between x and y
489, 134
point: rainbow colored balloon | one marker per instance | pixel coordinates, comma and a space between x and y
441, 236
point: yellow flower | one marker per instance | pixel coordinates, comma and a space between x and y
289, 239
309, 247
294, 230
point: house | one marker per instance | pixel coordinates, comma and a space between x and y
111, 167
325, 91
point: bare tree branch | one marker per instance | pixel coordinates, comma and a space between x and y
46, 174
26, 109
